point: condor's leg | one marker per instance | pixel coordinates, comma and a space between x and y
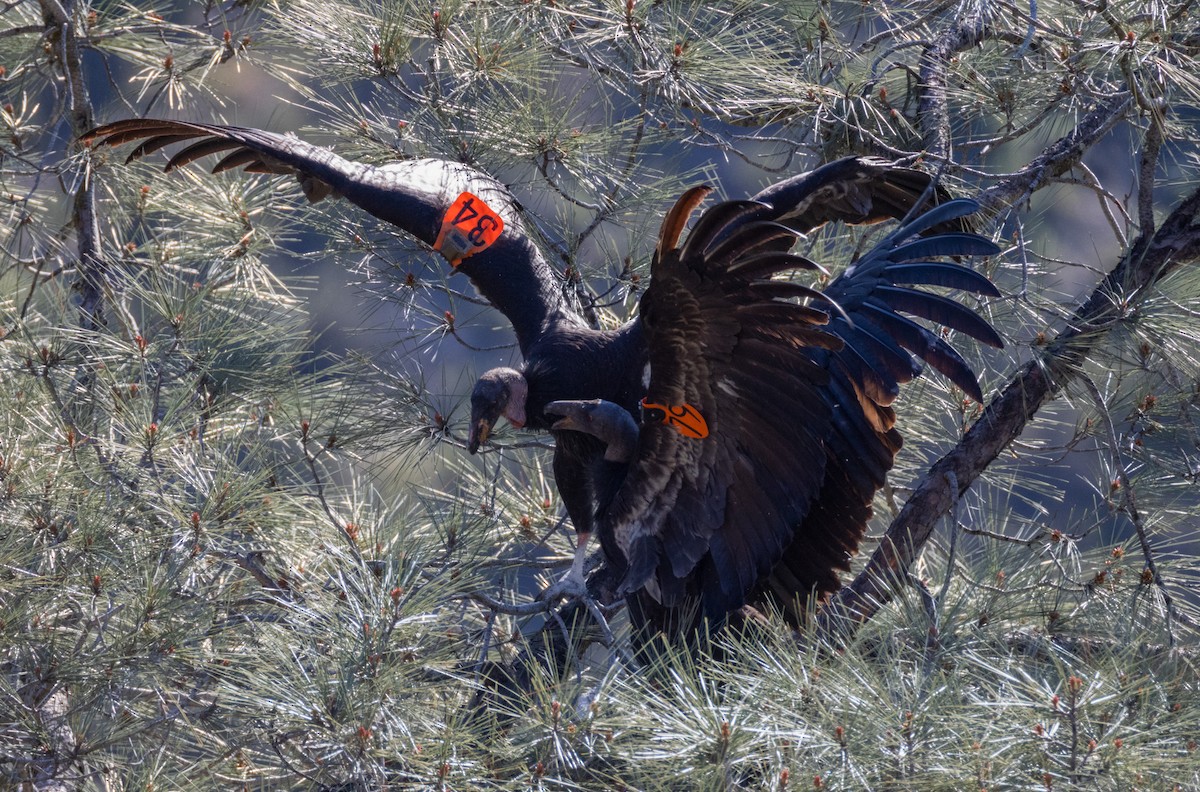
579, 460
571, 476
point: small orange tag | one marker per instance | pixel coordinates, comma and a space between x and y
683, 418
468, 227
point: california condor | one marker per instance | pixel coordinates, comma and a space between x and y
746, 469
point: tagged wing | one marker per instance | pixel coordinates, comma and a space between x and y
729, 342
413, 194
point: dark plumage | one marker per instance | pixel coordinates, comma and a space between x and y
769, 505
795, 398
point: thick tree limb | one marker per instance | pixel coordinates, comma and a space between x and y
1153, 256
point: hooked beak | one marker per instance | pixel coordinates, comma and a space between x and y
480, 430
568, 410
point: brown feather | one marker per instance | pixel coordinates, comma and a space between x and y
200, 149
676, 220
151, 145
131, 129
242, 156
124, 136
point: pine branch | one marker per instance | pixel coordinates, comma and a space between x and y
49, 701
933, 111
1059, 157
61, 27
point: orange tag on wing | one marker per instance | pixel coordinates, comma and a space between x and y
468, 226
683, 418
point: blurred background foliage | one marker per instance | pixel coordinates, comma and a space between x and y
241, 543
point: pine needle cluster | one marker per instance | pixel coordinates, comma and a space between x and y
234, 555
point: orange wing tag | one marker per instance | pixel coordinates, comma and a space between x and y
468, 226
683, 418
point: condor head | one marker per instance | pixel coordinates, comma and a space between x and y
499, 392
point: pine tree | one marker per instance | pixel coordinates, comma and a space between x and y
237, 551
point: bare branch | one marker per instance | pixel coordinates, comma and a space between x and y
932, 112
1059, 157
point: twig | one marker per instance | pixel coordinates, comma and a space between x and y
1030, 29
509, 609
1030, 542
930, 605
23, 30
1129, 504
319, 483
1106, 199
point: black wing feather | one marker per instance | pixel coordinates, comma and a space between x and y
949, 216
944, 245
941, 310
928, 347
413, 194
751, 238
713, 224
709, 338
766, 264
941, 273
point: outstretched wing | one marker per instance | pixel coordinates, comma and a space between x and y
883, 348
414, 195
795, 397
728, 344
856, 190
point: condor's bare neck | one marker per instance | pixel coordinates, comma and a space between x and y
511, 274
